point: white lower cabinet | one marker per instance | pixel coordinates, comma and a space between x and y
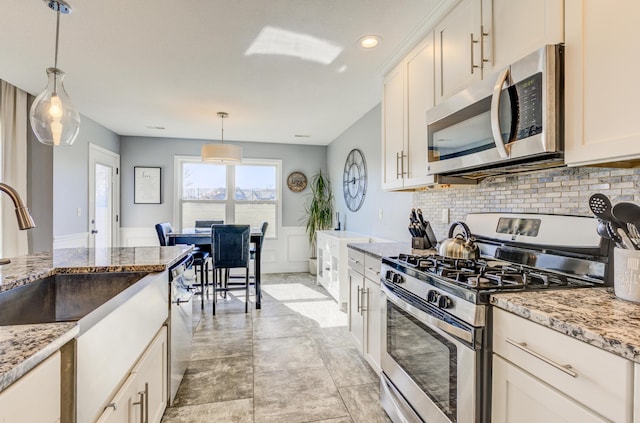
332, 271
542, 376
520, 397
364, 305
143, 396
35, 397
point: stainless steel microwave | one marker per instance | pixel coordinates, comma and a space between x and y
509, 122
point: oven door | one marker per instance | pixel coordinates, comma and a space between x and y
431, 360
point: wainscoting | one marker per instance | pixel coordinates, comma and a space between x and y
287, 253
79, 240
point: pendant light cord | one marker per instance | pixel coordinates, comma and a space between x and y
222, 130
55, 61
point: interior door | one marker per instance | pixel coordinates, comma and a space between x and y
104, 197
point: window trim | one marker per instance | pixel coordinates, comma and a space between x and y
179, 160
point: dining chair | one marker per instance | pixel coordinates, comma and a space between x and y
207, 223
230, 250
200, 257
252, 251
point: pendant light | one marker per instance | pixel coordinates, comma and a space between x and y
221, 153
53, 118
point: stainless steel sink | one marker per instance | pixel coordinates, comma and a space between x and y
62, 297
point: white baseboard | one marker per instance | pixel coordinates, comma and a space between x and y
286, 254
79, 240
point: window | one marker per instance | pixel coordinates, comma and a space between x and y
248, 193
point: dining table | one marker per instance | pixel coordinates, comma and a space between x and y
202, 237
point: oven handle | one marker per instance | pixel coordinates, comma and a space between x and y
495, 114
427, 319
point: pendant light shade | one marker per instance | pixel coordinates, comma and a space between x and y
54, 119
221, 153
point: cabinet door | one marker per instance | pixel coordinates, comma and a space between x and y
516, 28
35, 397
126, 406
356, 319
372, 325
600, 95
151, 378
519, 397
393, 127
420, 98
458, 49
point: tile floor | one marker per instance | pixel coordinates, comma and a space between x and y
293, 361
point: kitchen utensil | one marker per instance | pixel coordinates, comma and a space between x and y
625, 240
612, 234
629, 214
460, 246
420, 217
600, 206
431, 237
414, 216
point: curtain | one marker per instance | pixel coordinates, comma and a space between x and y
13, 166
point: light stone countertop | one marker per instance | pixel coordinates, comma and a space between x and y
592, 315
386, 249
343, 234
23, 347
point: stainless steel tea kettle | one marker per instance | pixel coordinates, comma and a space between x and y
461, 246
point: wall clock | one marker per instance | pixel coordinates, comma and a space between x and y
297, 181
354, 180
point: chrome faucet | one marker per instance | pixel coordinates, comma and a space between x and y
25, 221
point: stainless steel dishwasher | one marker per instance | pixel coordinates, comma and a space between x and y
180, 323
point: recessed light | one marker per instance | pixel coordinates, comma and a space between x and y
370, 41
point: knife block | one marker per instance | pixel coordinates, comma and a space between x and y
420, 243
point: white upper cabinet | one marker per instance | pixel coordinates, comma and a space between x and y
516, 28
393, 127
480, 37
601, 99
458, 62
408, 94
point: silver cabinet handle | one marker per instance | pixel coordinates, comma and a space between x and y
141, 404
495, 114
482, 35
112, 405
402, 156
565, 368
365, 300
398, 171
352, 260
146, 402
472, 42
358, 305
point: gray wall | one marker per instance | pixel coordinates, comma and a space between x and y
39, 191
71, 177
556, 191
365, 134
143, 151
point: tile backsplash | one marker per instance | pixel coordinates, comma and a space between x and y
557, 191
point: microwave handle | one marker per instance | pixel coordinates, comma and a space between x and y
495, 114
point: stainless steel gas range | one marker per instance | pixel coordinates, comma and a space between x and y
436, 336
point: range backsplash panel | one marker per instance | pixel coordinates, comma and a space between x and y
557, 191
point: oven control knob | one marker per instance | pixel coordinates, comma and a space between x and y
444, 302
397, 278
432, 296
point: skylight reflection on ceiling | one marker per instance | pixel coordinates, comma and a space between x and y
278, 41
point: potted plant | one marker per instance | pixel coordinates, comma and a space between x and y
319, 209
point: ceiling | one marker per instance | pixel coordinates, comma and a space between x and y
136, 67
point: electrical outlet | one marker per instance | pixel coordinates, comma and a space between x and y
79, 212
445, 216
380, 214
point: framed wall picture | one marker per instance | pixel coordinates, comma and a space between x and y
147, 187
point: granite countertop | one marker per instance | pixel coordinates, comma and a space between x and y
593, 315
382, 249
23, 347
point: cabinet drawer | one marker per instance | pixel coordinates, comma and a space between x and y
372, 268
356, 260
600, 380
